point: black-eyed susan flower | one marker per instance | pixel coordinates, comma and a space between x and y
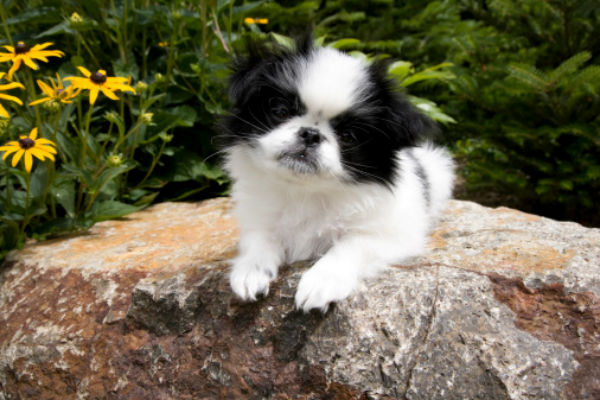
261, 21
28, 147
23, 53
99, 82
8, 86
57, 93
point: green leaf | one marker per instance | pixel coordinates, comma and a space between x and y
63, 191
61, 28
400, 69
9, 235
39, 180
426, 75
111, 209
190, 166
283, 40
34, 14
246, 7
344, 43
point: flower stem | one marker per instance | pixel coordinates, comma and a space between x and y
154, 161
49, 181
8, 199
55, 133
31, 90
86, 134
6, 31
26, 216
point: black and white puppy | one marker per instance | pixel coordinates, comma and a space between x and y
328, 162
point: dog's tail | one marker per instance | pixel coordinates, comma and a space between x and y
437, 170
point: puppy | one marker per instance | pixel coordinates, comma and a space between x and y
328, 162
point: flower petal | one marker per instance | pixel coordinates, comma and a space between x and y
12, 85
14, 68
9, 151
123, 88
47, 149
109, 94
43, 141
45, 88
33, 134
17, 157
47, 53
12, 143
29, 62
40, 101
41, 46
28, 161
84, 71
3, 112
40, 154
9, 48
93, 94
11, 98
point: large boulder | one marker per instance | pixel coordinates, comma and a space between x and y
505, 305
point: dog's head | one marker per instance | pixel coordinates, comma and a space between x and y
318, 112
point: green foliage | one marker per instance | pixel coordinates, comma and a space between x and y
526, 96
524, 91
116, 157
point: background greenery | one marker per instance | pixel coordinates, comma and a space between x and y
515, 84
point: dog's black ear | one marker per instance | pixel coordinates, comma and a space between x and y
403, 121
245, 66
259, 62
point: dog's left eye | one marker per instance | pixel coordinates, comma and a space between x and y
347, 136
279, 108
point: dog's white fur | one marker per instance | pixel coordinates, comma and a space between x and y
352, 229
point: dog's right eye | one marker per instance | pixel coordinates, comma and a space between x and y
279, 108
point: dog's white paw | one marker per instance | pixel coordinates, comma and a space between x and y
249, 280
323, 284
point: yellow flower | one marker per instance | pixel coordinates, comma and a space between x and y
57, 92
29, 146
9, 86
26, 54
147, 118
251, 21
75, 19
98, 81
163, 44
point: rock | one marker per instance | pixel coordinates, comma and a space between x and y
505, 305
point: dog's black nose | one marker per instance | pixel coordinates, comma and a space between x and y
310, 136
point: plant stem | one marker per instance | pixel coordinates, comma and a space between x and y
86, 133
49, 181
8, 199
6, 31
154, 162
125, 137
31, 91
26, 217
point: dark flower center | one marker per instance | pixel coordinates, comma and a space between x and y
26, 143
21, 48
98, 77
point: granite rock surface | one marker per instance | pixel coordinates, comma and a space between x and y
504, 305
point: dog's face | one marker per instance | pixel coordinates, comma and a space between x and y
319, 113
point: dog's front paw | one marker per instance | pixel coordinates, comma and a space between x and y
324, 283
248, 281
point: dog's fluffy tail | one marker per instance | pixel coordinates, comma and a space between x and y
438, 168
